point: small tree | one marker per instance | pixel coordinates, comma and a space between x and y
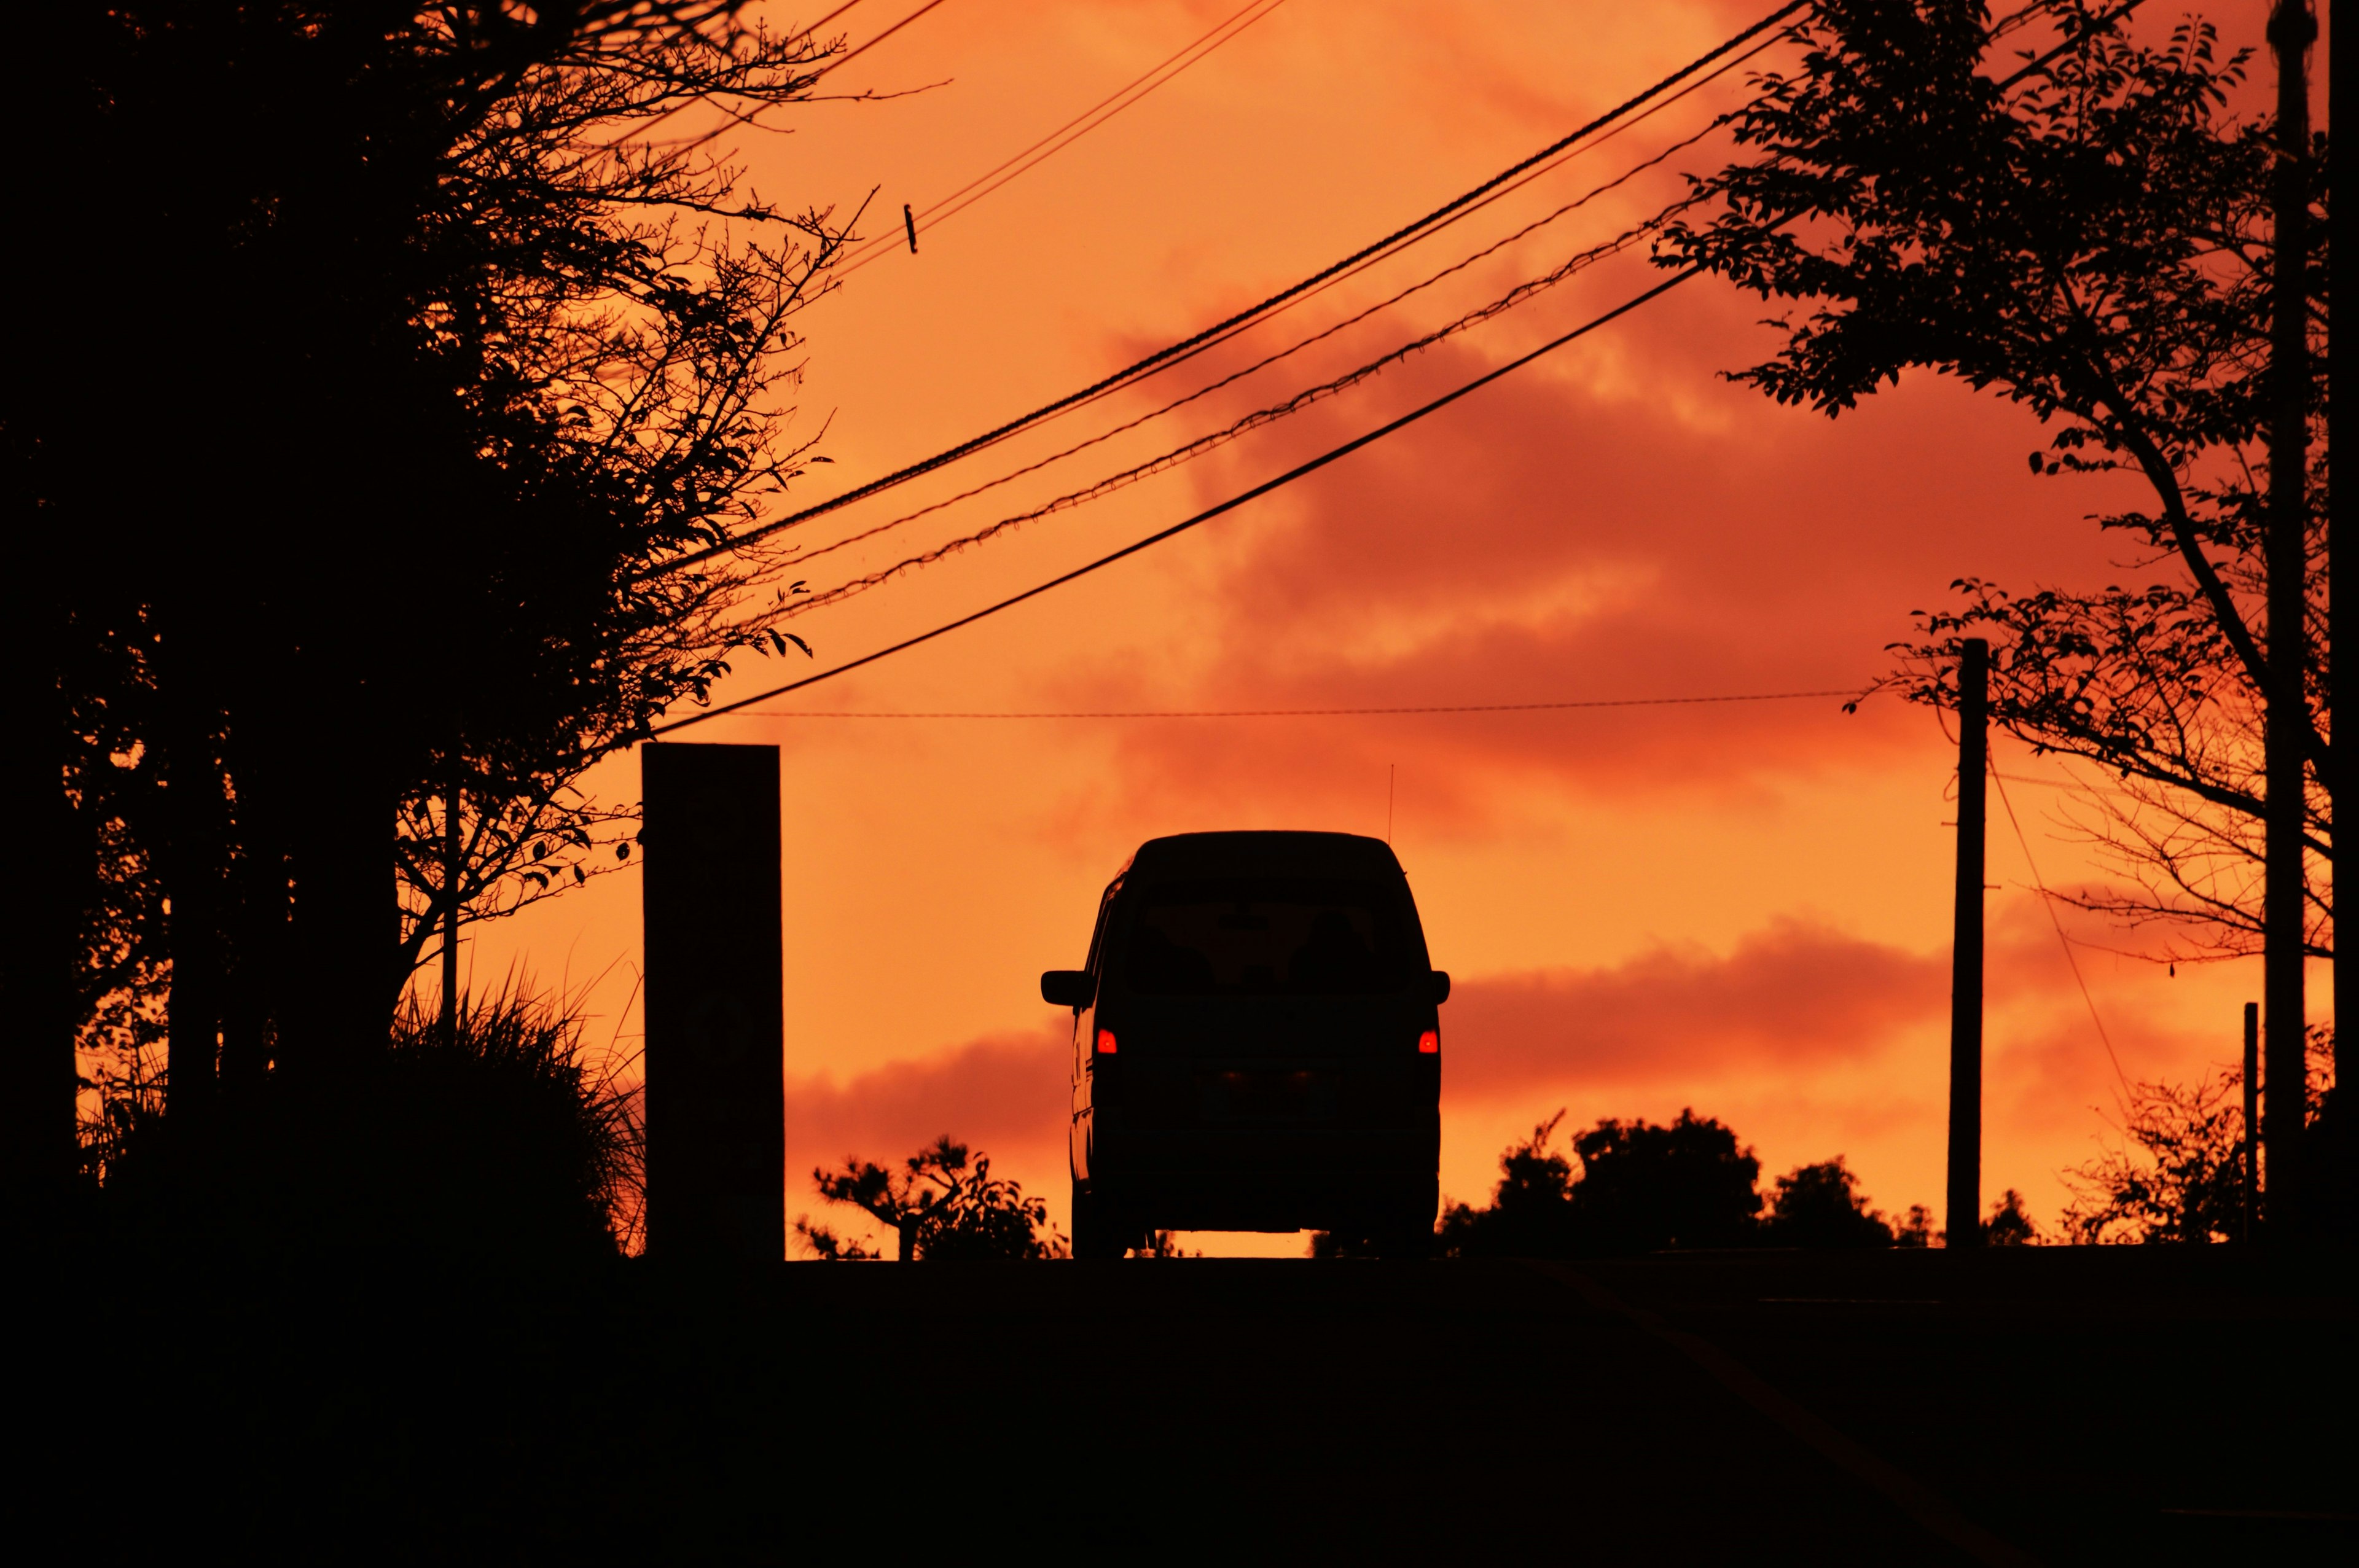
2176, 1176
1644, 1188
1530, 1214
2087, 229
1641, 1188
939, 1205
1821, 1206
2009, 1225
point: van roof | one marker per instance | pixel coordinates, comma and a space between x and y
1263, 853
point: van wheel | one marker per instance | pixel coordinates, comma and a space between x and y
1094, 1234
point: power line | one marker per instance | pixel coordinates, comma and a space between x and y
1157, 359
752, 120
831, 17
1581, 259
883, 244
1188, 451
1301, 470
851, 55
1322, 712
2048, 903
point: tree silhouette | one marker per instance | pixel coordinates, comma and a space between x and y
1641, 1188
1644, 1187
2176, 1174
1821, 1206
2009, 1225
1530, 1214
939, 1204
2089, 235
387, 533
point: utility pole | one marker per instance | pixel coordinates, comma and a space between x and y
451, 871
2252, 1115
2291, 29
1965, 1195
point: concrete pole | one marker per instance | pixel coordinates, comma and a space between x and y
2291, 29
1966, 1200
2252, 1114
451, 869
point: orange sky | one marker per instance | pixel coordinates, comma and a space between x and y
1742, 909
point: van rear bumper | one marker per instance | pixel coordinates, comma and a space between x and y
1278, 1178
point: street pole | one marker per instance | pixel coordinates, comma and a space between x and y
450, 869
2252, 1114
2291, 29
1965, 1199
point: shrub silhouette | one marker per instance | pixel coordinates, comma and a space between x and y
1819, 1206
1641, 1188
494, 1142
1531, 1208
940, 1205
2008, 1225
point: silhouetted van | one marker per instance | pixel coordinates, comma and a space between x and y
1257, 1046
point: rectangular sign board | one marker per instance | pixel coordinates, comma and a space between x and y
716, 1024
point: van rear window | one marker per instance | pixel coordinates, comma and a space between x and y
1269, 937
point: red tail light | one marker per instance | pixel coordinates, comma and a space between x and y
1105, 1042
1429, 1043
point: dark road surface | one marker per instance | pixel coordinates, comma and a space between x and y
2057, 1406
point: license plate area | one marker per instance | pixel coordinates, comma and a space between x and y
1268, 1097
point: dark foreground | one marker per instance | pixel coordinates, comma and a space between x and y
2061, 1406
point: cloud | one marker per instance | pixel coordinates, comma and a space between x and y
1619, 525
1001, 1091
1795, 996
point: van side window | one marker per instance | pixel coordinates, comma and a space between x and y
1097, 932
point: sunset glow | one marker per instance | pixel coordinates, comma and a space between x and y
1739, 906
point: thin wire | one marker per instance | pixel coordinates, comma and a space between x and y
884, 243
831, 17
1332, 455
1187, 451
752, 120
1320, 712
2048, 903
851, 55
638, 131
1210, 343
1500, 194
1157, 359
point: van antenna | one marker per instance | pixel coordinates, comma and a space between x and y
1390, 770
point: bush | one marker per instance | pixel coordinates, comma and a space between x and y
494, 1143
939, 1205
1642, 1188
1819, 1206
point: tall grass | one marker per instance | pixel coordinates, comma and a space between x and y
495, 1140
506, 1111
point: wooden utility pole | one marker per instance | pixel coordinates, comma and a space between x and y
2291, 29
2252, 1115
450, 872
1965, 1193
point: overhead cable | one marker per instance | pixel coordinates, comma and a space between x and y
1188, 451
1157, 359
1300, 471
1128, 95
2048, 903
851, 55
1317, 712
1582, 259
